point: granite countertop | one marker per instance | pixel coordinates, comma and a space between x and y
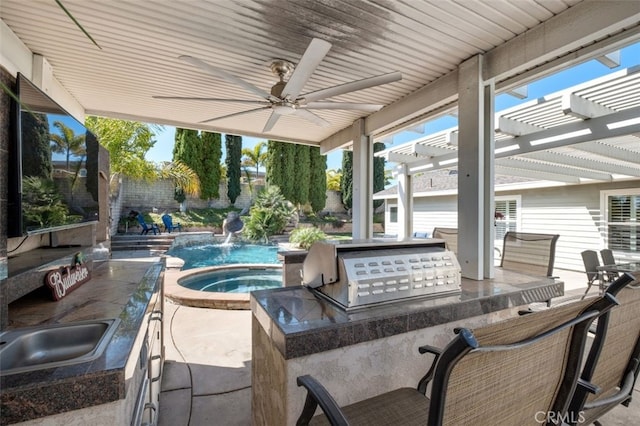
300, 322
117, 289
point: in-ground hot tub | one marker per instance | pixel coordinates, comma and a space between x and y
220, 287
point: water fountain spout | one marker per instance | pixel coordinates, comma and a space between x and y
231, 226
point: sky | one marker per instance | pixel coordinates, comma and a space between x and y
629, 56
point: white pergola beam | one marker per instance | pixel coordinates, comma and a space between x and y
555, 167
584, 163
515, 128
606, 150
610, 60
582, 108
396, 157
429, 151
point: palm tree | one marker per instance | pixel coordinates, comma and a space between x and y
255, 157
67, 142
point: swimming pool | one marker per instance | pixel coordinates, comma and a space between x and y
225, 254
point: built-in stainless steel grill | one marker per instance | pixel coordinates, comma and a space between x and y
359, 274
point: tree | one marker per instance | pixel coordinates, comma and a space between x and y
302, 175
288, 165
378, 173
128, 142
255, 157
37, 161
233, 145
333, 179
211, 155
67, 142
273, 162
346, 183
317, 178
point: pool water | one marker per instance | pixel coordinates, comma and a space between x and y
219, 254
234, 280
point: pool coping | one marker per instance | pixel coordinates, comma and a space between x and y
206, 299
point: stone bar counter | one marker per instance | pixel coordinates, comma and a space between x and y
365, 352
101, 391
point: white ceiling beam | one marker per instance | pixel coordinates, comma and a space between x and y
431, 97
551, 166
615, 152
515, 128
532, 174
582, 108
519, 92
566, 32
585, 163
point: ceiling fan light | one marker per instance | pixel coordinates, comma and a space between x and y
284, 109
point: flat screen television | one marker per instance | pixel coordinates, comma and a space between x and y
53, 166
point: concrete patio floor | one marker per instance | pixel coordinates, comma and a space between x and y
207, 376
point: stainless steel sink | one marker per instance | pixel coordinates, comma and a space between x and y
35, 348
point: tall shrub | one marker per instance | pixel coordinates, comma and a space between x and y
211, 155
233, 146
346, 182
317, 178
378, 173
302, 175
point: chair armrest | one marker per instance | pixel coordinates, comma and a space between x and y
623, 394
422, 384
318, 395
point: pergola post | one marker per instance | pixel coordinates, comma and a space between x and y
362, 212
405, 202
474, 177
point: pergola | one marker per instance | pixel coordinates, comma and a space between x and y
583, 134
451, 55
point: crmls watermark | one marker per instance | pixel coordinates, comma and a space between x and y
559, 418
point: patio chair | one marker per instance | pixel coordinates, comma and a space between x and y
591, 264
450, 237
612, 366
528, 252
509, 373
609, 259
146, 227
167, 220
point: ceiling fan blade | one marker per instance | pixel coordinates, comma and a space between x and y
235, 114
315, 53
309, 116
191, 98
351, 87
227, 76
342, 105
271, 121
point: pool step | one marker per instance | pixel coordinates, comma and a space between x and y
157, 243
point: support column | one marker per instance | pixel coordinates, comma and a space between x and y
362, 212
489, 179
405, 202
471, 173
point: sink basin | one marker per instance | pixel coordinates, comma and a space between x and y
34, 348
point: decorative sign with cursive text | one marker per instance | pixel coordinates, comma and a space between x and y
64, 280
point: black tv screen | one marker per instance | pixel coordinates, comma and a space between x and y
55, 166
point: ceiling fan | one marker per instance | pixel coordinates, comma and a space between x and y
284, 97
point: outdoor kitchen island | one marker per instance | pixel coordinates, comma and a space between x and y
364, 352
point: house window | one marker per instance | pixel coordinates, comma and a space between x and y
506, 216
393, 214
622, 225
